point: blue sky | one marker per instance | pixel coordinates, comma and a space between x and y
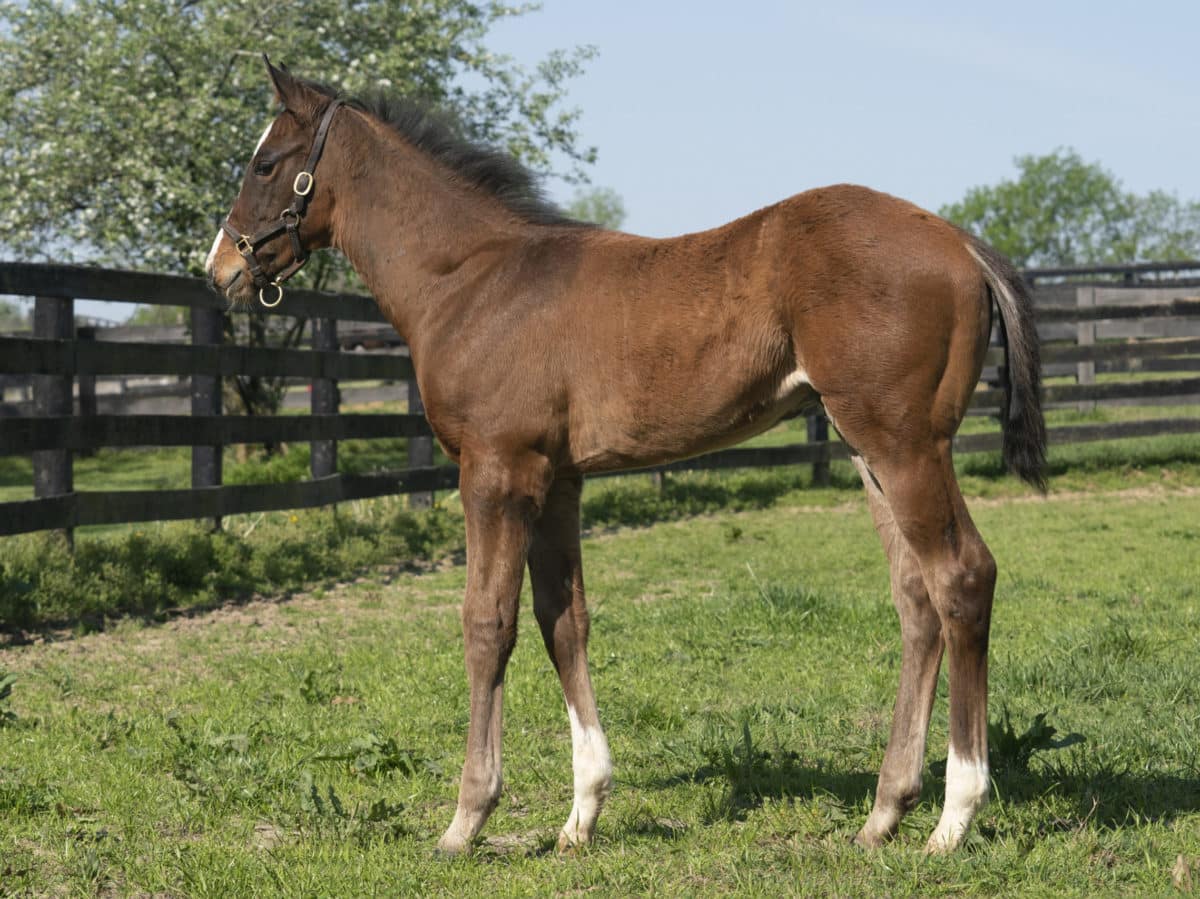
704, 111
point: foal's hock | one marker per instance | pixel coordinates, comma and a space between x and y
546, 349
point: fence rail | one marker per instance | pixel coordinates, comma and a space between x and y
1088, 321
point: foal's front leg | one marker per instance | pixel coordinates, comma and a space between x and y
500, 500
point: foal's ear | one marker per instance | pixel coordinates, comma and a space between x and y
292, 94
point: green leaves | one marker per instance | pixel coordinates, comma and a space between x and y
1010, 751
375, 756
124, 127
600, 205
1061, 210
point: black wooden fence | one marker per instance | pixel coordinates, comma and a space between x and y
1087, 326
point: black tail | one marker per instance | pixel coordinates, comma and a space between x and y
1021, 416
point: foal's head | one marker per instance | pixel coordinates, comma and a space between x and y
283, 210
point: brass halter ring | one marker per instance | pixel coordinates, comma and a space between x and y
278, 295
308, 185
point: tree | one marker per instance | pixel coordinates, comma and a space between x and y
601, 205
1061, 210
124, 127
12, 317
157, 315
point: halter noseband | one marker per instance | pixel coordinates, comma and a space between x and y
289, 221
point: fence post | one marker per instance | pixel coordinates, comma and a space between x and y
87, 386
53, 472
1085, 372
208, 329
324, 399
420, 449
818, 432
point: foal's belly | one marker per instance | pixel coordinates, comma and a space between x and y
653, 429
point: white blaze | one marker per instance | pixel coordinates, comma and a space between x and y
262, 140
212, 253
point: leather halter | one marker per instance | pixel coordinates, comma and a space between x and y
289, 221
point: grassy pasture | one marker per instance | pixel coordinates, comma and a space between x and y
745, 665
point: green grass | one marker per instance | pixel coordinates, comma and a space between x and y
745, 665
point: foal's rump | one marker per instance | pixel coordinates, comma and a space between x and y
890, 314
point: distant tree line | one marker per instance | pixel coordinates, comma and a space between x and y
1061, 210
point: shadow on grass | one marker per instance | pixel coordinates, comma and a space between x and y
739, 794
1105, 798
1104, 795
746, 775
637, 501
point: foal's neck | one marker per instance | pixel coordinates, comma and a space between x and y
416, 238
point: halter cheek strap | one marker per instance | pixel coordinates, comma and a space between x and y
288, 221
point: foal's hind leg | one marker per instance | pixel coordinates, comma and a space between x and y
960, 574
921, 635
556, 572
915, 475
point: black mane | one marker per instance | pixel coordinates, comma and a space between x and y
486, 168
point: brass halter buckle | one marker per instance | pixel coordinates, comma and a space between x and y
278, 295
308, 184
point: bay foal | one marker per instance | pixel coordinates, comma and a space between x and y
546, 350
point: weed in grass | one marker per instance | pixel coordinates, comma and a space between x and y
323, 815
220, 768
112, 730
375, 756
87, 865
314, 688
18, 797
7, 715
747, 774
1010, 751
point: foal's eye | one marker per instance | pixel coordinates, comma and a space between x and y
264, 167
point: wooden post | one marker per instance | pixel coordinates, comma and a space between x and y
1085, 372
87, 386
53, 472
818, 432
420, 449
324, 399
207, 329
